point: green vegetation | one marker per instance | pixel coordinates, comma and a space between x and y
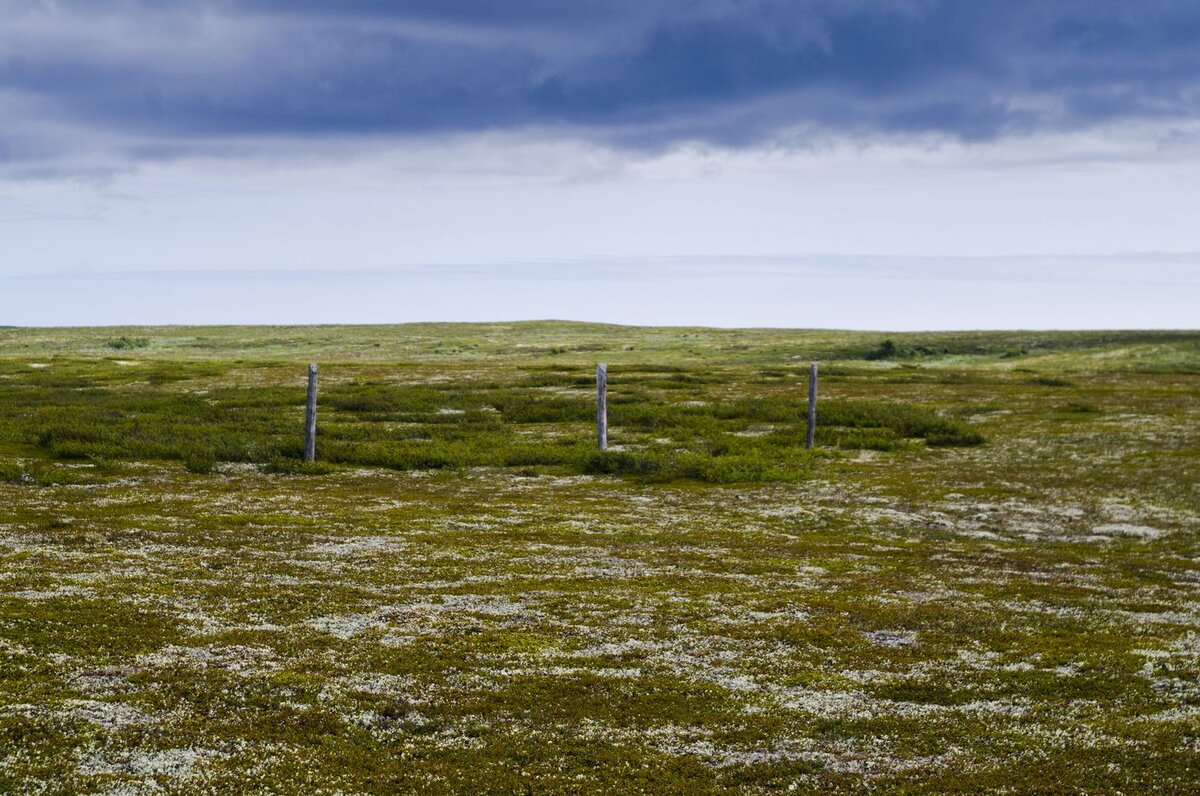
985, 571
889, 350
667, 425
124, 341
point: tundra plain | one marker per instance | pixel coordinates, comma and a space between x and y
984, 578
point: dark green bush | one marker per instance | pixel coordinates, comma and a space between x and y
200, 461
524, 407
38, 474
957, 438
888, 349
879, 439
1050, 381
123, 343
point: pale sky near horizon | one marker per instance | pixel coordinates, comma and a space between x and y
904, 164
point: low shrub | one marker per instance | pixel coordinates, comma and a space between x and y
39, 474
200, 461
124, 342
956, 438
888, 349
1050, 381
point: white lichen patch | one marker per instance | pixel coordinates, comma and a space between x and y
346, 626
356, 546
236, 659
891, 638
175, 765
1126, 529
103, 681
59, 591
105, 714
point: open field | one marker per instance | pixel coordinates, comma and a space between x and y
985, 578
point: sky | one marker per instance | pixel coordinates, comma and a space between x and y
871, 164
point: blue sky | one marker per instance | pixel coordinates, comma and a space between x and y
929, 163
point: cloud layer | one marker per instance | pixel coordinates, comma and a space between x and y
158, 78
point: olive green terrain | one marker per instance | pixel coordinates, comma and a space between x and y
984, 578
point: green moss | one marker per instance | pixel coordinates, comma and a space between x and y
100, 629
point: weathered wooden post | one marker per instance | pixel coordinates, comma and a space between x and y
310, 416
602, 406
811, 435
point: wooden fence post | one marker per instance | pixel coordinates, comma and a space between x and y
310, 416
811, 435
602, 406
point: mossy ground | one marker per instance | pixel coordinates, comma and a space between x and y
462, 597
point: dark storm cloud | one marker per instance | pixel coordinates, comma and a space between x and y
636, 73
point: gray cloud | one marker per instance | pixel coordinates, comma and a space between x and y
172, 77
